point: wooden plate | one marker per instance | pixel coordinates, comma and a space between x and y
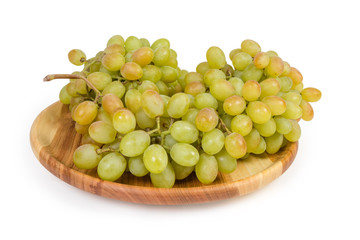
53, 140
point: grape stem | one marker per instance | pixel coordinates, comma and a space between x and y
223, 125
158, 128
103, 150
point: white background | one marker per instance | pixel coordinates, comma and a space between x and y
317, 198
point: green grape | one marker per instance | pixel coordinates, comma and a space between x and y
193, 77
222, 89
276, 104
283, 125
227, 120
285, 83
275, 67
111, 103
131, 71
184, 132
102, 115
82, 129
133, 100
137, 166
100, 80
163, 88
174, 87
128, 56
251, 47
155, 158
172, 60
295, 76
212, 75
132, 43
165, 179
237, 84
146, 85
194, 88
241, 124
266, 129
192, 99
206, 169
235, 145
143, 56
205, 100
113, 61
116, 88
286, 69
181, 78
234, 105
259, 112
226, 163
269, 87
115, 48
111, 167
178, 105
71, 89
202, 68
81, 86
190, 115
181, 172
273, 143
261, 60
85, 156
168, 74
234, 52
212, 142
161, 42
116, 39
134, 143
169, 141
64, 96
272, 53
152, 104
77, 57
161, 56
311, 94
145, 42
251, 73
252, 140
293, 111
307, 111
206, 120
85, 112
184, 154
251, 90
241, 60
124, 121
295, 132
261, 147
215, 57
143, 121
293, 96
102, 132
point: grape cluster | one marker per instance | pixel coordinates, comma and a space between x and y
138, 111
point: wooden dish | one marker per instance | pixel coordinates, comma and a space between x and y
53, 140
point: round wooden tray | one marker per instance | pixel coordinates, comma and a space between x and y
53, 140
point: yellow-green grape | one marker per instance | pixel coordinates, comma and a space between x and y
190, 115
295, 75
192, 99
235, 145
286, 69
184, 154
204, 100
161, 42
124, 121
162, 87
206, 169
275, 67
259, 112
155, 158
111, 103
307, 111
165, 100
181, 172
82, 129
74, 102
80, 86
131, 71
113, 74
283, 125
168, 74
241, 124
227, 120
172, 60
298, 87
116, 88
116, 39
222, 89
137, 166
86, 139
77, 57
115, 48
272, 53
293, 111
241, 60
133, 100
146, 85
202, 68
261, 60
128, 56
145, 42
206, 120
151, 73
85, 156
193, 77
102, 115
194, 88
178, 105
143, 121
85, 112
161, 56
64, 96
215, 57
292, 96
111, 167
102, 132
175, 87
212, 142
251, 47
274, 143
252, 140
234, 105
132, 43
285, 83
276, 104
251, 90
311, 94
113, 61
266, 129
234, 52
143, 56
295, 132
100, 79
71, 89
134, 143
226, 163
261, 147
165, 179
237, 84
269, 87
183, 131
251, 73
152, 104
213, 75
181, 78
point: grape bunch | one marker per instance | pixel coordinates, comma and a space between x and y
139, 112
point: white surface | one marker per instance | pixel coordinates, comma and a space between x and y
317, 198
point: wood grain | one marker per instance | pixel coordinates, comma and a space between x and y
53, 140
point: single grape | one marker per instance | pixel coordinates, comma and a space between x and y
137, 166
276, 104
252, 140
227, 120
163, 88
71, 89
241, 60
212, 142
146, 85
202, 68
104, 116
261, 148
285, 83
102, 132
292, 96
190, 115
181, 172
206, 169
272, 53
269, 87
234, 52
311, 94
212, 75
161, 42
251, 47
183, 131
241, 124
266, 129
115, 48
194, 88
298, 87
235, 145
111, 103
237, 84
85, 112
307, 111
293, 111
287, 69
116, 88
226, 163
283, 125
64, 96
86, 139
215, 57
100, 79
161, 56
143, 121
111, 167
152, 104
222, 89
178, 105
168, 74
132, 43
131, 71
143, 56
85, 156
251, 90
116, 39
165, 179
82, 129
259, 112
234, 105
113, 61
295, 133
295, 75
193, 77
134, 143
124, 121
251, 73
261, 60
155, 158
275, 67
77, 57
206, 120
273, 143
204, 100
172, 60
184, 154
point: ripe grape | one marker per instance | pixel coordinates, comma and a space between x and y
77, 57
113, 61
111, 167
151, 73
116, 88
85, 156
226, 163
215, 57
183, 131
184, 154
205, 100
234, 105
311, 94
222, 89
111, 103
235, 145
152, 104
259, 112
206, 120
181, 172
134, 143
206, 169
241, 60
261, 60
143, 56
178, 105
124, 121
251, 90
155, 158
212, 142
132, 43
85, 112
137, 166
251, 47
165, 179
131, 71
116, 39
102, 132
241, 124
